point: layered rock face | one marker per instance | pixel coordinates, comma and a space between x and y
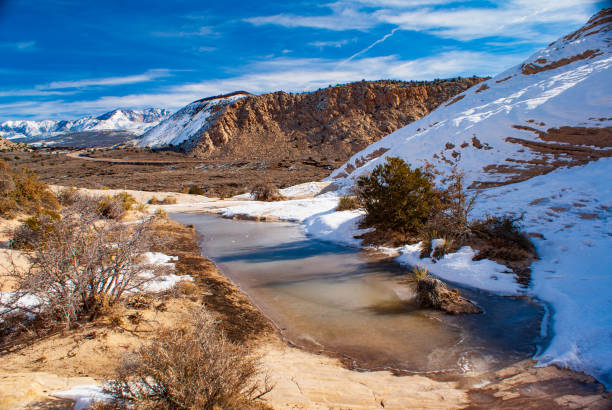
334, 122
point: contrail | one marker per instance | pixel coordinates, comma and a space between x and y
368, 48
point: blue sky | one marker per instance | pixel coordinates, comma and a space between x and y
62, 59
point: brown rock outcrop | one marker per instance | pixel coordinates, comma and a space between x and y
334, 122
433, 293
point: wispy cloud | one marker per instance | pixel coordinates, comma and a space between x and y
202, 31
107, 81
343, 17
324, 44
20, 45
33, 93
518, 19
368, 48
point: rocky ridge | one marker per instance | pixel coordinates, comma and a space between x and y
334, 122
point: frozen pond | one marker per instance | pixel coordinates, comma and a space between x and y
332, 298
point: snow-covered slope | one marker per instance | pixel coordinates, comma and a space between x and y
536, 140
134, 121
189, 122
502, 131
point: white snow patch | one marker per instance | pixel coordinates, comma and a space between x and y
162, 282
292, 211
340, 227
459, 267
83, 395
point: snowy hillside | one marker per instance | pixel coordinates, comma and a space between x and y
134, 121
188, 122
536, 140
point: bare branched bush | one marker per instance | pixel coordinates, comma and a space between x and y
80, 263
190, 367
458, 205
266, 192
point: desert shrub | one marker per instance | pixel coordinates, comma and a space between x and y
160, 214
110, 208
22, 191
266, 192
452, 219
503, 238
115, 207
347, 202
126, 200
169, 200
34, 230
445, 246
190, 367
67, 196
398, 198
195, 190
81, 264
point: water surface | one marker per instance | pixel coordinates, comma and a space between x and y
340, 300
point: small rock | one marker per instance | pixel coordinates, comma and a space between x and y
433, 293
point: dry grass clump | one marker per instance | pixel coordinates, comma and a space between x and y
116, 206
68, 196
419, 272
347, 203
193, 366
195, 190
21, 191
266, 192
160, 214
169, 200
503, 239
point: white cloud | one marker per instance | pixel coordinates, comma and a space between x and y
202, 31
20, 45
287, 74
519, 19
368, 48
324, 44
107, 81
342, 18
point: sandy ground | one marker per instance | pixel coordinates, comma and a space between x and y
304, 380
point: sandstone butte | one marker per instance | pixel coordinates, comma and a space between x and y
333, 122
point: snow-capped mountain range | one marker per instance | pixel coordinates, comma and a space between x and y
536, 141
133, 121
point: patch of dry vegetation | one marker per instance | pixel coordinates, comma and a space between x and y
266, 192
190, 366
347, 203
22, 191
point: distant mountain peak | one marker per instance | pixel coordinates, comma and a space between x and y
133, 121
